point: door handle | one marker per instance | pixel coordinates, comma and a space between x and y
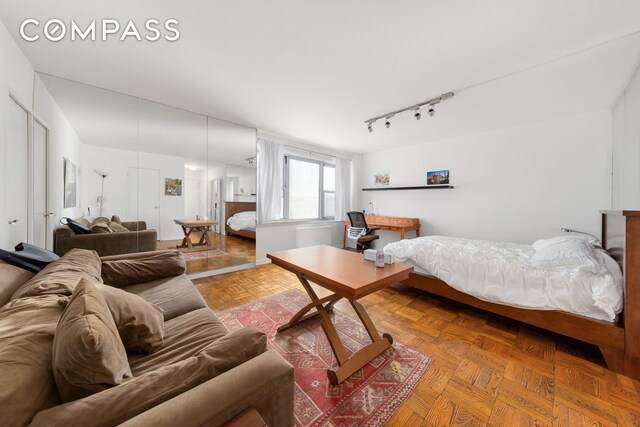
47, 215
156, 207
14, 221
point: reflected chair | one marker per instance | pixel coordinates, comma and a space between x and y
359, 233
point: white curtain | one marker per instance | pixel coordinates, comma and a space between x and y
270, 169
343, 188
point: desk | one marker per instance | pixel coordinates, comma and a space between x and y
347, 275
191, 225
390, 223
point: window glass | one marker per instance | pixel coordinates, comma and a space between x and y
329, 205
329, 178
304, 183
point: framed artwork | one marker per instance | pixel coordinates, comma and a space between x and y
438, 177
172, 187
70, 183
381, 179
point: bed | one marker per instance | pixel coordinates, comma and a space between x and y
240, 219
608, 321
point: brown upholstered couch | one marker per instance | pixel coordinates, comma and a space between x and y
138, 239
162, 390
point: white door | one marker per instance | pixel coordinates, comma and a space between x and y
17, 174
41, 212
143, 197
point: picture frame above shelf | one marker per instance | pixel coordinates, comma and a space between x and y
413, 187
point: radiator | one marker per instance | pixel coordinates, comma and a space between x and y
310, 235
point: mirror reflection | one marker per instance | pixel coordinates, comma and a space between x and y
151, 176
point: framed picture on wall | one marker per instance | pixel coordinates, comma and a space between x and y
172, 187
440, 177
381, 179
70, 183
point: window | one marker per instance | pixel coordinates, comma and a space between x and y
309, 189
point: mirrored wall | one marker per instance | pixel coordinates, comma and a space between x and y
144, 176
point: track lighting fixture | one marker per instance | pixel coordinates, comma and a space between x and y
431, 103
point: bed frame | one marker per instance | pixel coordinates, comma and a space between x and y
618, 342
232, 208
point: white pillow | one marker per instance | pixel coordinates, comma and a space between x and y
543, 243
571, 255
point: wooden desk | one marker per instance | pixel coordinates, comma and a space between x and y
191, 225
390, 223
348, 275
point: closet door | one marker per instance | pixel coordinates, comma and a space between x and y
17, 174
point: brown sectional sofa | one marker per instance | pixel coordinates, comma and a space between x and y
137, 239
201, 375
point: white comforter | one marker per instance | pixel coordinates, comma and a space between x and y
243, 221
501, 273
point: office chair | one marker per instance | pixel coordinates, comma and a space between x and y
359, 232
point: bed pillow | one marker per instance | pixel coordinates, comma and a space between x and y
543, 243
88, 354
572, 255
140, 323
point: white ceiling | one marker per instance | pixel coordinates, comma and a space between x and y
314, 71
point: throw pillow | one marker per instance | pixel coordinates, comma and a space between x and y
100, 220
101, 227
116, 227
27, 387
116, 218
156, 265
140, 323
88, 354
11, 278
84, 221
61, 276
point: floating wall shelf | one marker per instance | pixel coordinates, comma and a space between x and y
415, 187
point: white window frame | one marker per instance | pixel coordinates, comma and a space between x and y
321, 190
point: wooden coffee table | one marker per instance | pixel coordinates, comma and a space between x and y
191, 225
349, 276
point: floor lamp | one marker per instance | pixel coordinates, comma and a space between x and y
103, 175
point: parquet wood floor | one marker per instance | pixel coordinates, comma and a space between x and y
487, 370
239, 251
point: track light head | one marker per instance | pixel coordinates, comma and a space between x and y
387, 124
432, 111
417, 114
370, 127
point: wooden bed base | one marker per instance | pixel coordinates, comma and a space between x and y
618, 342
232, 208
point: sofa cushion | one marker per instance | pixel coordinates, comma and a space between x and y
184, 336
141, 393
154, 265
27, 326
11, 278
116, 227
140, 323
101, 227
174, 295
61, 276
88, 354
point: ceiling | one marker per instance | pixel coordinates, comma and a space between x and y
314, 71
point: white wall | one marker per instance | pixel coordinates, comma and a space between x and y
115, 190
16, 78
626, 147
518, 184
63, 142
195, 193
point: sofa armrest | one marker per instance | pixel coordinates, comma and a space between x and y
265, 382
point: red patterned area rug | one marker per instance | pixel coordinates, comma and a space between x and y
367, 398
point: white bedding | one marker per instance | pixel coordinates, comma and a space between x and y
502, 273
243, 221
